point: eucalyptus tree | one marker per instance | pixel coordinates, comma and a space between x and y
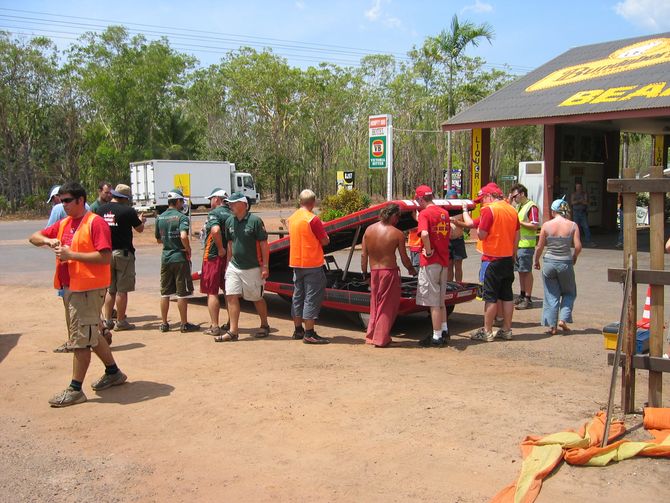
130, 88
448, 48
28, 90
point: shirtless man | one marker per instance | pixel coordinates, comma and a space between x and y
380, 242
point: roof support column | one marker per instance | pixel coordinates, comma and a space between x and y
550, 167
480, 159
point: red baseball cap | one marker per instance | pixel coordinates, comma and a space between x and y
423, 190
489, 189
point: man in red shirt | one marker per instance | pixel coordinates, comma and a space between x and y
498, 233
431, 289
82, 244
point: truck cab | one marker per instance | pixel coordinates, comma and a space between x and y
244, 182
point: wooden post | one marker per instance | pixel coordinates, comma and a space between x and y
630, 330
656, 261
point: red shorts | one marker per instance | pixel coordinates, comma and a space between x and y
212, 276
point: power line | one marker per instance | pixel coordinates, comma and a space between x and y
304, 51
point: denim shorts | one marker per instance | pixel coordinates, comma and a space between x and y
524, 260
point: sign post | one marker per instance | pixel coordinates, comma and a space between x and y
381, 148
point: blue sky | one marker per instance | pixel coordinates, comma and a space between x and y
527, 34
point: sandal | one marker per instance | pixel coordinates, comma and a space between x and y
263, 332
227, 337
63, 348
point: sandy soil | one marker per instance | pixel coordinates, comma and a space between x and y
277, 420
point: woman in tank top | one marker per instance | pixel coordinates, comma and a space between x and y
560, 237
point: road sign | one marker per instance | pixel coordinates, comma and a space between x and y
380, 142
508, 178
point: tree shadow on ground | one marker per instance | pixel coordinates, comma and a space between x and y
7, 343
133, 392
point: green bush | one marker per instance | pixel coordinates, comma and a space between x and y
343, 203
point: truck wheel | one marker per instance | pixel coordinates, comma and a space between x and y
363, 320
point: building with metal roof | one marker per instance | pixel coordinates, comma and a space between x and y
585, 98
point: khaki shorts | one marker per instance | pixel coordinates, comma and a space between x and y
83, 309
123, 272
431, 286
245, 282
176, 278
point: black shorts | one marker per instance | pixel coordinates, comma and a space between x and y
457, 249
497, 277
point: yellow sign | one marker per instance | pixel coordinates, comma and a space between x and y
623, 93
476, 167
632, 57
182, 182
659, 147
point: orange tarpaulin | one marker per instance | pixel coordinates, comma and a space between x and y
542, 454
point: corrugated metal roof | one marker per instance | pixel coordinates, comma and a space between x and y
623, 76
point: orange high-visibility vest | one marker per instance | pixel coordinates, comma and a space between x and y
500, 239
414, 241
305, 248
83, 275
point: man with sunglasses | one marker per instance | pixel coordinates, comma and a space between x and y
82, 244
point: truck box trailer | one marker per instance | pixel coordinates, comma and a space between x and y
151, 181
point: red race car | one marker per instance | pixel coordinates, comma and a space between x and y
346, 289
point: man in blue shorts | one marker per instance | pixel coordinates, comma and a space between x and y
529, 222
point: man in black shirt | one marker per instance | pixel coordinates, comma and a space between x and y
122, 219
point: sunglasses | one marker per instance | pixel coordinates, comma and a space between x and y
68, 200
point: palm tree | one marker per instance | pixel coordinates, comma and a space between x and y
448, 48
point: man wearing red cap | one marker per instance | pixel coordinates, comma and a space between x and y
431, 289
498, 233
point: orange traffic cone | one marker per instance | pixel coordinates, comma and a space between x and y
646, 312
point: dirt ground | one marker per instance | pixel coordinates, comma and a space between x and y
278, 420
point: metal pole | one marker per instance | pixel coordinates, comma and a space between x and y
351, 253
389, 160
619, 342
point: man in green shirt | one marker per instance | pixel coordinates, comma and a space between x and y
104, 196
246, 271
172, 231
214, 257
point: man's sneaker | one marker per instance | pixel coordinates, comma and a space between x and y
504, 334
518, 300
123, 325
108, 324
429, 342
315, 339
213, 331
482, 335
298, 334
188, 327
526, 303
109, 380
67, 397
164, 327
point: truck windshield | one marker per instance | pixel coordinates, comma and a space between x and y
248, 182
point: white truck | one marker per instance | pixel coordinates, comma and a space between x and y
150, 182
